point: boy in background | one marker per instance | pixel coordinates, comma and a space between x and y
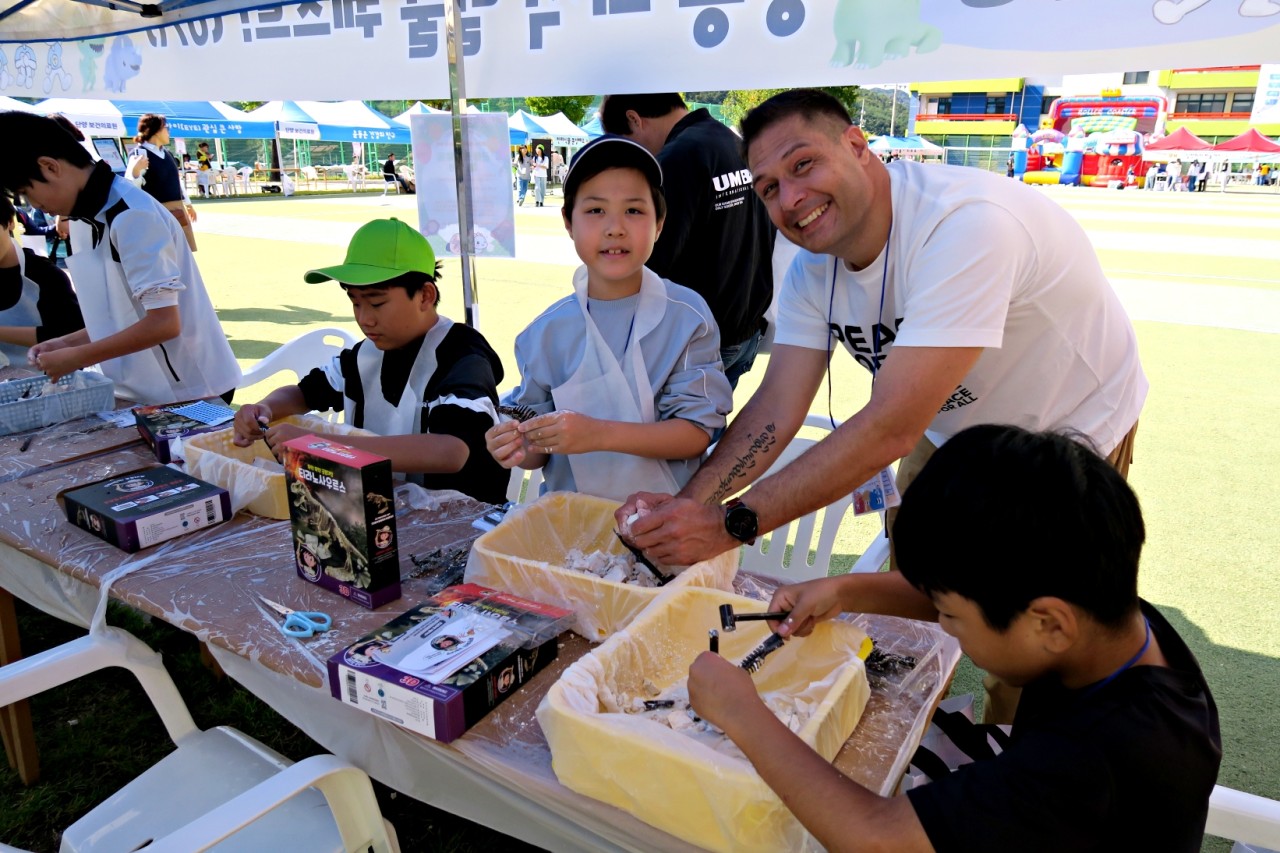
426, 385
625, 375
1028, 546
36, 299
148, 318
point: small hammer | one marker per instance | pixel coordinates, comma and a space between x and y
729, 620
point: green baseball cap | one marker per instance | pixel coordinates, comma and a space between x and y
380, 251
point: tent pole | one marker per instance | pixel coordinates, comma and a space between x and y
461, 163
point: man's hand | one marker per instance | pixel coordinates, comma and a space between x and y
191, 213
247, 426
810, 602
561, 432
55, 358
507, 444
637, 504
720, 692
681, 532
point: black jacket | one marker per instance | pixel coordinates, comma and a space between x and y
717, 239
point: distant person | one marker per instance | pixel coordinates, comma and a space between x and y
717, 240
523, 166
425, 384
538, 170
1008, 167
557, 165
163, 180
149, 321
204, 170
390, 174
36, 299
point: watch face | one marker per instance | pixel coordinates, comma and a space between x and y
741, 522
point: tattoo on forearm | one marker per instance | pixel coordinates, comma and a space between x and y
762, 444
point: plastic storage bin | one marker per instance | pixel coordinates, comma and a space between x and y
213, 457
671, 780
86, 393
525, 554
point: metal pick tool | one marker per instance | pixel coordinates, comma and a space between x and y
662, 578
714, 636
729, 620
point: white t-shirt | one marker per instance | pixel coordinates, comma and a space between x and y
977, 260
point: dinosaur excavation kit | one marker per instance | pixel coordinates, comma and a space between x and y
342, 510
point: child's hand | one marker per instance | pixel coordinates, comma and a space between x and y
810, 602
279, 434
57, 360
561, 432
719, 690
248, 424
506, 444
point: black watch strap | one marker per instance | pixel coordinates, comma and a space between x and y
741, 521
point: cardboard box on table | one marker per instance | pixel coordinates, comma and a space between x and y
163, 429
145, 507
343, 514
524, 554
444, 711
213, 457
668, 779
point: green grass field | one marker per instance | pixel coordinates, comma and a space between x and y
1207, 455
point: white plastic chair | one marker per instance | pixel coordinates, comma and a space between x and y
300, 356
389, 183
311, 176
355, 176
1244, 817
246, 173
217, 784
768, 555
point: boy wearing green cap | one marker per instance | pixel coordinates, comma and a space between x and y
426, 385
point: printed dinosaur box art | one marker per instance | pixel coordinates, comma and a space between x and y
342, 510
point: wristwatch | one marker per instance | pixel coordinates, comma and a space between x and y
741, 522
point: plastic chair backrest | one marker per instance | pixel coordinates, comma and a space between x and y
255, 781
768, 555
1244, 817
299, 356
524, 485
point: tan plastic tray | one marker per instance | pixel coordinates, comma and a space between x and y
525, 554
213, 457
668, 779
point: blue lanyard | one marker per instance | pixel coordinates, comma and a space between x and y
875, 330
1127, 665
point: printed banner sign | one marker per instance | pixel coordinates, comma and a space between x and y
1266, 101
297, 130
492, 203
353, 49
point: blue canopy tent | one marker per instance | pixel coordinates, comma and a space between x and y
593, 128
199, 119
340, 121
518, 137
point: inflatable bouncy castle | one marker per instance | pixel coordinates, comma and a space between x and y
1090, 141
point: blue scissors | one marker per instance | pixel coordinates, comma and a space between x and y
300, 623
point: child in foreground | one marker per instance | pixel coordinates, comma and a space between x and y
425, 384
148, 319
625, 375
1028, 545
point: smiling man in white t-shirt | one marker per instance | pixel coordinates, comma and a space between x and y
972, 298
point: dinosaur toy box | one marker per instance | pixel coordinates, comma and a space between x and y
141, 508
342, 513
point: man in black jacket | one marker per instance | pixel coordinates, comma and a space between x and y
717, 238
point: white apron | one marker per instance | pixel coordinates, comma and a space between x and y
25, 312
405, 417
601, 387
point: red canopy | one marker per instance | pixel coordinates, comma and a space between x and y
1250, 141
1180, 140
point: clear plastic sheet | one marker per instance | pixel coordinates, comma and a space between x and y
525, 554
499, 773
56, 445
214, 458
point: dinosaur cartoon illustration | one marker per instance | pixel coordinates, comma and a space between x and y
54, 70
870, 31
24, 65
5, 77
1173, 11
90, 51
123, 64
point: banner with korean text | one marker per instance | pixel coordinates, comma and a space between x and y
353, 49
